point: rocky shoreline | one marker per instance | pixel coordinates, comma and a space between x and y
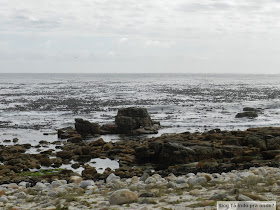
189, 191
189, 167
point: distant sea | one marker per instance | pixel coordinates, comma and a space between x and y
32, 104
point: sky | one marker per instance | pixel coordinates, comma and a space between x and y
147, 36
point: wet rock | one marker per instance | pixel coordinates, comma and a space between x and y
246, 114
99, 142
172, 153
129, 119
15, 140
123, 196
66, 133
251, 109
65, 154
110, 128
46, 161
75, 165
89, 172
85, 127
75, 139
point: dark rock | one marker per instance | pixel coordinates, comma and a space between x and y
273, 143
251, 109
75, 139
246, 114
110, 128
46, 161
85, 127
43, 142
89, 172
173, 153
66, 133
27, 146
270, 154
132, 118
75, 165
65, 154
99, 142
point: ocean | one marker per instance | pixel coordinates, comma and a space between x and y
34, 104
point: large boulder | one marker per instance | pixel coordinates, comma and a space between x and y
129, 119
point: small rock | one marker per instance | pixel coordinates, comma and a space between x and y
144, 177
76, 179
112, 177
150, 180
195, 192
40, 186
255, 197
21, 195
181, 180
52, 194
243, 198
201, 180
123, 196
134, 179
217, 196
13, 186
4, 199
86, 183
147, 195
56, 184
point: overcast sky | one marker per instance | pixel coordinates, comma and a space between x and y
117, 36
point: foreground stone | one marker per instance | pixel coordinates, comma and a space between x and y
123, 196
187, 191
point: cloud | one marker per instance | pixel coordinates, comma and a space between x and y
131, 30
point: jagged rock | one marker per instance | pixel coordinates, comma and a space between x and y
246, 114
132, 118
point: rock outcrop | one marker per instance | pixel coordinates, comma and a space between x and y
134, 121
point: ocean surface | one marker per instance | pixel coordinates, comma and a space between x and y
33, 104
